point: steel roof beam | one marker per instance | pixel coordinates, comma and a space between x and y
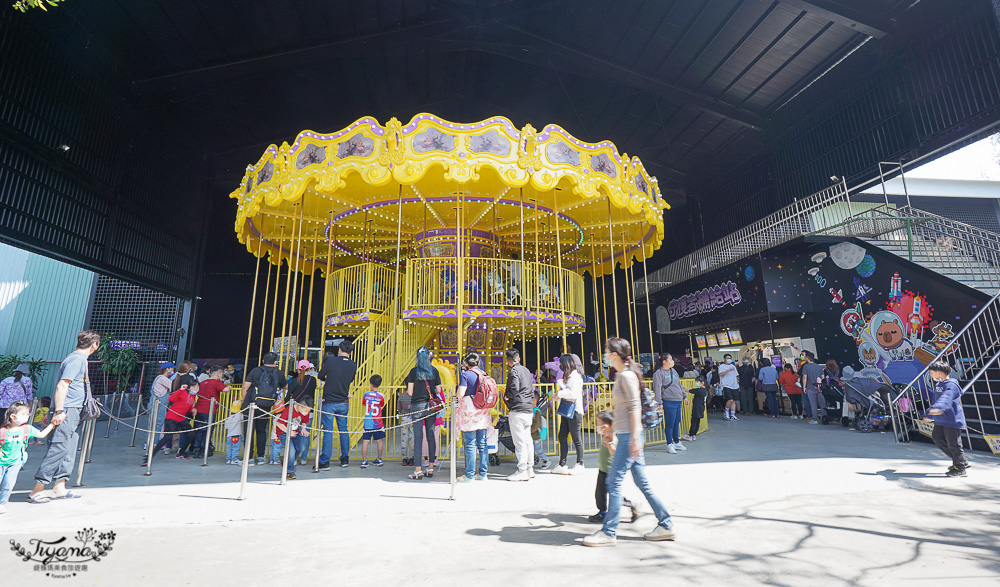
863, 22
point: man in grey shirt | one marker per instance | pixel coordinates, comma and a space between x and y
520, 399
812, 374
67, 403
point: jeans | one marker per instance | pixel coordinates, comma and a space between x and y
571, 427
8, 476
406, 436
57, 464
622, 463
672, 421
746, 399
520, 432
475, 441
796, 399
277, 448
176, 428
806, 406
772, 402
540, 452
948, 439
233, 448
199, 436
817, 403
423, 425
298, 449
331, 412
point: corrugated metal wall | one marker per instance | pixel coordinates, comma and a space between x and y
49, 310
918, 98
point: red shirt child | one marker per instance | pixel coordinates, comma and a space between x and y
300, 420
181, 403
210, 389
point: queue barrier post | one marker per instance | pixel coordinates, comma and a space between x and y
246, 451
82, 446
150, 438
135, 424
319, 436
111, 414
288, 441
89, 448
208, 432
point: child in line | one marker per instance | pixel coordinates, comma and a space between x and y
41, 419
14, 436
403, 401
234, 430
176, 423
700, 393
297, 426
605, 421
374, 400
540, 429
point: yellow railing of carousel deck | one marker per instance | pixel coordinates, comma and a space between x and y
367, 287
431, 283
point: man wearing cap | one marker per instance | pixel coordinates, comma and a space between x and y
16, 388
160, 391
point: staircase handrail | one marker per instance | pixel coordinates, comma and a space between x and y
983, 233
944, 351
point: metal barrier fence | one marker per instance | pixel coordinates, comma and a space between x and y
399, 435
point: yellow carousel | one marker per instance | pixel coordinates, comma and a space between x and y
458, 237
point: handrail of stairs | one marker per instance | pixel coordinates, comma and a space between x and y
975, 398
978, 333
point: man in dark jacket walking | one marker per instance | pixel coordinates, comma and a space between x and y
948, 417
520, 399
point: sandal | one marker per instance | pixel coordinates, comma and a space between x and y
416, 475
430, 471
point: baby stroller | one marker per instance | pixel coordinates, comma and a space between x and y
834, 396
870, 410
499, 435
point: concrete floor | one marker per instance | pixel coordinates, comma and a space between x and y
754, 502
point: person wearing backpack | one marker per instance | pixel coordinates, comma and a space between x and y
569, 388
14, 436
261, 387
474, 392
628, 427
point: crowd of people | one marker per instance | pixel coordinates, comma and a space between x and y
189, 399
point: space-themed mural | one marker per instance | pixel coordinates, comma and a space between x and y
861, 305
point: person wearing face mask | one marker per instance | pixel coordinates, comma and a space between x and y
14, 435
182, 406
948, 417
729, 378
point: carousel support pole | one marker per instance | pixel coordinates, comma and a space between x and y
645, 284
626, 265
395, 291
288, 317
312, 287
524, 276
330, 260
460, 321
562, 283
536, 291
253, 304
277, 285
263, 315
597, 317
614, 280
583, 296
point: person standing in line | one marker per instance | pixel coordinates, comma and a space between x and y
293, 426
337, 374
700, 396
261, 387
793, 388
374, 424
520, 399
672, 396
67, 403
570, 388
746, 376
211, 388
422, 381
729, 378
948, 416
691, 372
234, 431
160, 391
628, 456
812, 377
473, 422
17, 388
768, 377
181, 408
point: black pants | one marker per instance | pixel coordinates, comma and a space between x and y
695, 425
261, 426
199, 436
423, 427
571, 427
601, 493
171, 428
949, 440
796, 399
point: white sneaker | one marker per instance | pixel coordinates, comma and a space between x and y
734, 418
579, 469
671, 449
680, 446
519, 476
560, 470
599, 538
3, 509
531, 473
660, 533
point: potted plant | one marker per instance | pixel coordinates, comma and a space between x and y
117, 359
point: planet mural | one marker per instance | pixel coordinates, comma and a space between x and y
866, 267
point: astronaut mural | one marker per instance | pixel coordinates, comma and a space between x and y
894, 328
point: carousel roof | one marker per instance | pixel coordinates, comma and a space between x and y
347, 191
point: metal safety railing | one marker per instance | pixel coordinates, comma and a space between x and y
511, 284
820, 210
363, 288
970, 352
